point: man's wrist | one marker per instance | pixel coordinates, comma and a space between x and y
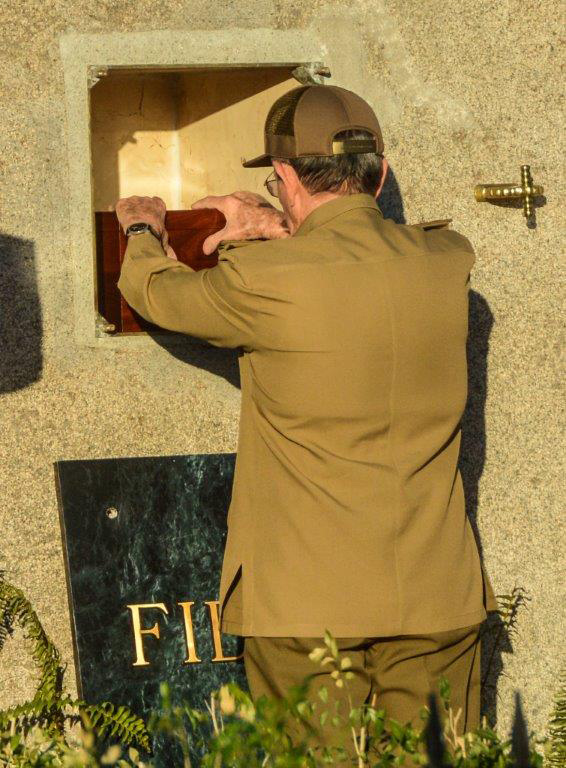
144, 242
140, 227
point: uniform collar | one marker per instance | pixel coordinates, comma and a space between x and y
339, 205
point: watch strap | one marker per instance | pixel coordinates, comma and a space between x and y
139, 227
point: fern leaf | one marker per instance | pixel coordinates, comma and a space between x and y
108, 720
556, 756
15, 608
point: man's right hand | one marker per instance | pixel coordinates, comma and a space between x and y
248, 216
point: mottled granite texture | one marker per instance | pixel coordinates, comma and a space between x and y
138, 531
466, 92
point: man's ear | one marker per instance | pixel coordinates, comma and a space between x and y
288, 174
384, 169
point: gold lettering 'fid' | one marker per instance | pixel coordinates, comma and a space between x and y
526, 190
190, 643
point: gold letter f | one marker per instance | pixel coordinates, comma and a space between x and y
139, 632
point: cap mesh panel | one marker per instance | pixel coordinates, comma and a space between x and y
279, 120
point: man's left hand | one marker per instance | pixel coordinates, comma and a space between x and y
130, 210
248, 216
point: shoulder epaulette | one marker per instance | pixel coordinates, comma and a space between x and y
436, 224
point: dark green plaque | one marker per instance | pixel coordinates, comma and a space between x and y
145, 531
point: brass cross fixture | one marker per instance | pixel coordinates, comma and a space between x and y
526, 191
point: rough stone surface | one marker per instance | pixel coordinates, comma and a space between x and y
466, 92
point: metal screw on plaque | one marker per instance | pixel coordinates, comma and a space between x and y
112, 513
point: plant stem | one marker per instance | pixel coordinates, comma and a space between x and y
363, 735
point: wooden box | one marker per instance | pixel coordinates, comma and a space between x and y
187, 232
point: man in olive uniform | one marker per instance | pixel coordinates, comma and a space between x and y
347, 509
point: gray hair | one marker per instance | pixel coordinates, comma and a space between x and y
347, 173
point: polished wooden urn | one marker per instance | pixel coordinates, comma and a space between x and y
187, 232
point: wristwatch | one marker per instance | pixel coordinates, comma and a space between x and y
139, 227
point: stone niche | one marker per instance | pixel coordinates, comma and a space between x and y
171, 113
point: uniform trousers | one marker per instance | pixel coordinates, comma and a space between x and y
400, 670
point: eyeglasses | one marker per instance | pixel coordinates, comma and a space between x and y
271, 184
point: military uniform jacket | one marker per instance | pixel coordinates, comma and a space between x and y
347, 509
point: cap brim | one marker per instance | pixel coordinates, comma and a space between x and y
260, 161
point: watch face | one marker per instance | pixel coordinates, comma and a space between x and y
139, 227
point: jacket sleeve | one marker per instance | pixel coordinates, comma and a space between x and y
214, 304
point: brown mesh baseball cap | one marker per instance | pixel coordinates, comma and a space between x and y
304, 121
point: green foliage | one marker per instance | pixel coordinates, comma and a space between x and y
236, 732
39, 748
509, 607
16, 609
232, 731
51, 710
244, 735
556, 747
